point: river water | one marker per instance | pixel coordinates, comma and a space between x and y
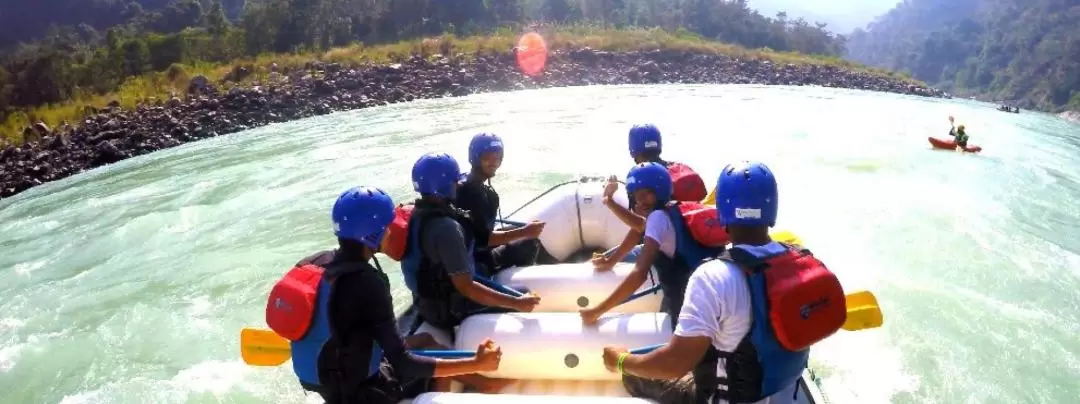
129, 284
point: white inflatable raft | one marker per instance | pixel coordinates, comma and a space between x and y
550, 354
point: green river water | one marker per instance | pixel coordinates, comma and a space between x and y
130, 283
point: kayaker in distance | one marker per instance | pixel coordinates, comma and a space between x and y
958, 133
495, 249
346, 347
646, 144
764, 353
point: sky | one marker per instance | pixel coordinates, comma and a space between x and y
843, 16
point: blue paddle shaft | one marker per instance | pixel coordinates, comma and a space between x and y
645, 349
497, 287
459, 354
511, 222
638, 295
443, 353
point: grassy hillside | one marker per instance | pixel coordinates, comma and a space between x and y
159, 85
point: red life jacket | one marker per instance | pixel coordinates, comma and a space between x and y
687, 185
805, 302
396, 238
293, 301
703, 225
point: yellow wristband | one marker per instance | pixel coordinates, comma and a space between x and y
619, 365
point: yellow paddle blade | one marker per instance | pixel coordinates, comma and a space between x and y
711, 199
263, 347
863, 311
785, 236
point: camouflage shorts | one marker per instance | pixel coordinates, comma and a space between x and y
679, 391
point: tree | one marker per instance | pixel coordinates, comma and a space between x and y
136, 57
556, 10
216, 22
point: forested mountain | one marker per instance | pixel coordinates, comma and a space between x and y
1018, 51
93, 45
28, 20
843, 16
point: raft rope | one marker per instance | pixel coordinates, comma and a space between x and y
577, 207
557, 186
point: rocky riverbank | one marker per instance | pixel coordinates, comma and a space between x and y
114, 134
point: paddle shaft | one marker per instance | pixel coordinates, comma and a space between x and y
646, 349
640, 294
511, 222
443, 353
506, 290
265, 348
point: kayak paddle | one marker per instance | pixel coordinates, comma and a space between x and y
260, 347
506, 290
863, 311
265, 348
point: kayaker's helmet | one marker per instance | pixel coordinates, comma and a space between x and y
651, 176
436, 174
644, 138
960, 128
746, 195
362, 214
483, 143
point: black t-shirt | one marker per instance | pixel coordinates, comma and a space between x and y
482, 203
361, 314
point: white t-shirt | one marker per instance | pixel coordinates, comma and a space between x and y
717, 305
658, 227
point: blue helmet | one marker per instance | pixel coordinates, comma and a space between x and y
651, 176
362, 214
644, 138
436, 174
746, 195
483, 143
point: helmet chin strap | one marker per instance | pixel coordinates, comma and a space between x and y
376, 261
499, 209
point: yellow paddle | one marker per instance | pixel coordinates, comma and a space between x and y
711, 199
259, 347
785, 236
863, 311
266, 348
263, 347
